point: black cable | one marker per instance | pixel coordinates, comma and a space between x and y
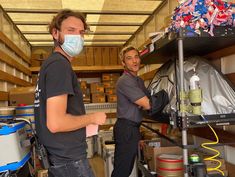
163, 136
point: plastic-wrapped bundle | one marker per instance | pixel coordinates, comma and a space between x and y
202, 14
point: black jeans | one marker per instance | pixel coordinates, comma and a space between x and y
126, 137
80, 168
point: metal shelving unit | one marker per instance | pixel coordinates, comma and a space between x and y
186, 43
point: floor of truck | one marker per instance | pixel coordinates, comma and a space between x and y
97, 165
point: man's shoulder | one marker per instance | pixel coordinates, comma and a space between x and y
122, 78
55, 58
125, 80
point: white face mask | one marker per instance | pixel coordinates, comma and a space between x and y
73, 44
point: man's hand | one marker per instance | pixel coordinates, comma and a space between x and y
99, 118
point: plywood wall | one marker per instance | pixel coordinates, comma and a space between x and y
90, 56
15, 52
157, 22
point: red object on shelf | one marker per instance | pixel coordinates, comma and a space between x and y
144, 51
22, 104
164, 129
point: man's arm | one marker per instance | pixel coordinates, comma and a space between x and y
143, 102
60, 121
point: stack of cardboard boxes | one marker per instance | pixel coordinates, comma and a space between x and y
100, 92
85, 92
109, 81
97, 92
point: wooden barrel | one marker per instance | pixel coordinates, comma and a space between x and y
22, 110
26, 112
169, 165
7, 112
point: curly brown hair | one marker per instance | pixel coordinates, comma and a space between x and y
64, 14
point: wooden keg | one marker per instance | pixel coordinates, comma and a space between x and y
26, 112
170, 165
7, 112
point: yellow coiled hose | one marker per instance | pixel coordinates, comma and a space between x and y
212, 158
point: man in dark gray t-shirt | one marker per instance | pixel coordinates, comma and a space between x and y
132, 96
59, 110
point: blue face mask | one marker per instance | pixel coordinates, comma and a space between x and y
73, 44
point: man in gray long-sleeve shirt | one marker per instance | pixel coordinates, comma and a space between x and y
131, 98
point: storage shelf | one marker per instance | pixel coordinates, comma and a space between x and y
166, 47
4, 96
215, 119
178, 46
111, 68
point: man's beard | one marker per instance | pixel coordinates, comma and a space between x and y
60, 41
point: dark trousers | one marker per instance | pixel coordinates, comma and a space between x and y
126, 137
80, 168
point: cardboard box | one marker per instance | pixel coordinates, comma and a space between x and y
213, 164
109, 84
152, 149
98, 97
110, 76
83, 84
34, 79
42, 173
112, 98
97, 87
21, 95
86, 95
110, 91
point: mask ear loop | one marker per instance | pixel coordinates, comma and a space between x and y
57, 41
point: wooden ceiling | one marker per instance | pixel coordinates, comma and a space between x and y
112, 22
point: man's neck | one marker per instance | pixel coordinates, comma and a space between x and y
60, 50
130, 72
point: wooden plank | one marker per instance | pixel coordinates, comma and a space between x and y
80, 60
105, 55
105, 127
114, 68
12, 46
97, 56
113, 55
146, 43
221, 53
85, 6
205, 132
10, 61
12, 79
231, 169
231, 77
148, 75
119, 60
3, 96
89, 56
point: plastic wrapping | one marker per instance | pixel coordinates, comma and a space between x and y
218, 96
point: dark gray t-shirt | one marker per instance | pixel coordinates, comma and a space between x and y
129, 89
57, 78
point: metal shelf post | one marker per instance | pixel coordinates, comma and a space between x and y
182, 103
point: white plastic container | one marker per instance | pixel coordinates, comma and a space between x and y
102, 137
108, 156
13, 152
90, 147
